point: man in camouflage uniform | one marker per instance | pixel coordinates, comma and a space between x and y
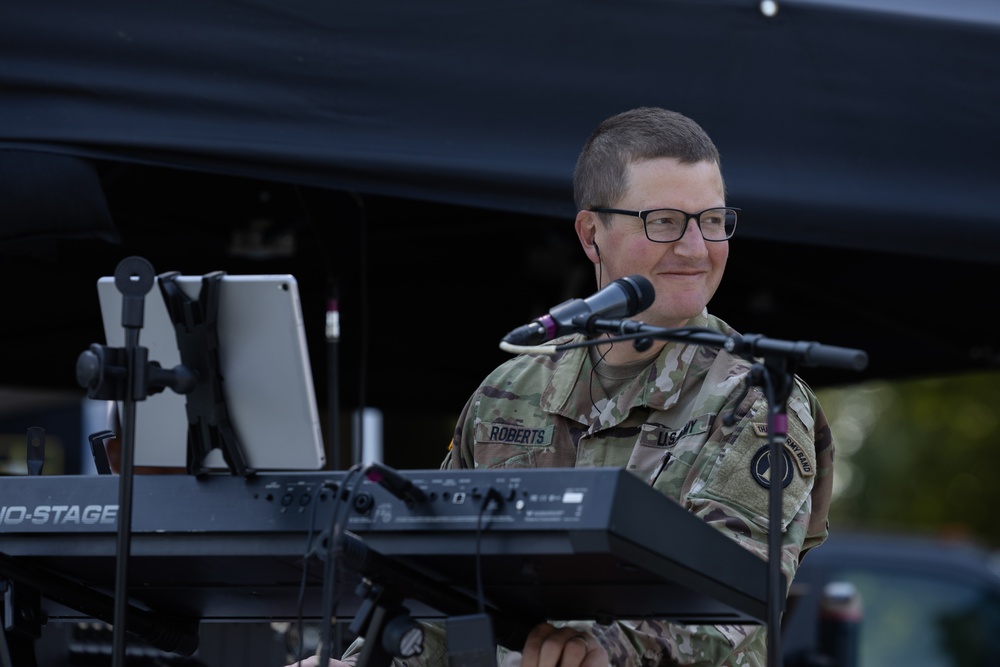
668, 426
682, 417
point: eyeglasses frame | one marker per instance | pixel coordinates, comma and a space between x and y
687, 216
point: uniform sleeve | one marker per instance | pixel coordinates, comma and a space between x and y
725, 480
461, 453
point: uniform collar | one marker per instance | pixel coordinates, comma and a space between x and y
573, 390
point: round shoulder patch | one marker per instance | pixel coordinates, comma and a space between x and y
760, 467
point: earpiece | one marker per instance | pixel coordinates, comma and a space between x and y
598, 251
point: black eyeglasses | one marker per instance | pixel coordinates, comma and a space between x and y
666, 225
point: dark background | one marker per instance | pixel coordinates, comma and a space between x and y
414, 162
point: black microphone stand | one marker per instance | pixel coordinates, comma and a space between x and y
775, 376
126, 374
134, 279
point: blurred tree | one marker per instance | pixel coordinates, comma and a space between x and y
918, 455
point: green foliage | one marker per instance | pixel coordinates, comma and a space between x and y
918, 455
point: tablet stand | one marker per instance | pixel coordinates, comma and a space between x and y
195, 323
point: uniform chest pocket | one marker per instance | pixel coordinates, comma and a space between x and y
656, 445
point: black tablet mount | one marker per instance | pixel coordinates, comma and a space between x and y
126, 374
195, 323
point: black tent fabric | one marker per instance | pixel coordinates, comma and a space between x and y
832, 115
399, 154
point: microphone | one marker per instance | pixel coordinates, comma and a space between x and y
622, 298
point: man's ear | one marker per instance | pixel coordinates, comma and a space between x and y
587, 224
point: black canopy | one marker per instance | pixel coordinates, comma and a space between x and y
413, 160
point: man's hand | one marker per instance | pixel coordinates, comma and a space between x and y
548, 646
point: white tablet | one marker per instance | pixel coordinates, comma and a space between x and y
264, 362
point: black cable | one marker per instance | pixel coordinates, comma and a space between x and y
338, 518
681, 332
363, 325
491, 494
730, 418
593, 372
5, 658
593, 369
300, 602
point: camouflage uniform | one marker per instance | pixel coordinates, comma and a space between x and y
666, 426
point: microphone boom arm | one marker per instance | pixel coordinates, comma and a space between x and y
806, 353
